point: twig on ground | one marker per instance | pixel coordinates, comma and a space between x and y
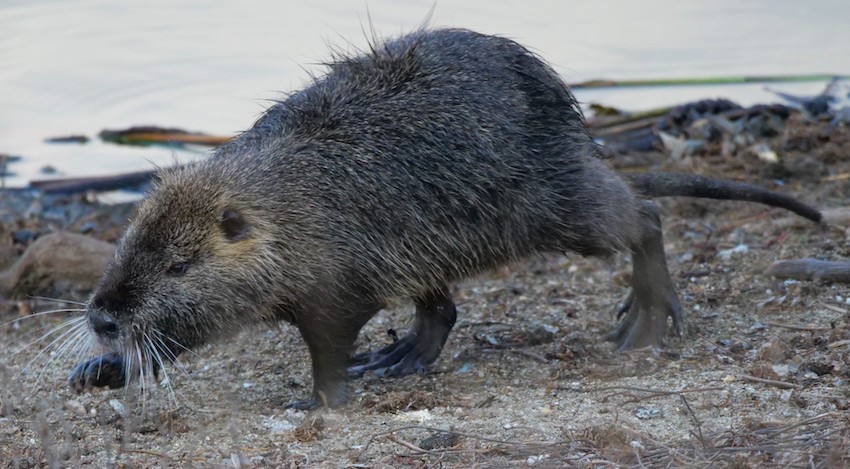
795, 327
697, 421
655, 392
440, 430
407, 444
834, 308
771, 382
527, 353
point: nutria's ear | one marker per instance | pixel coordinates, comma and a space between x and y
234, 226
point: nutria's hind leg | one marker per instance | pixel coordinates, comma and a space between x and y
435, 317
652, 299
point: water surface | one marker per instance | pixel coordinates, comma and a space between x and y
79, 66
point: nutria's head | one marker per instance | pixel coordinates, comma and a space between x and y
191, 266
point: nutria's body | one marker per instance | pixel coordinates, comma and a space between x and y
437, 156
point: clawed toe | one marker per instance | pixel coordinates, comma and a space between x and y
625, 305
400, 358
652, 299
306, 404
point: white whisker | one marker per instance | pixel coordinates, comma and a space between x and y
37, 330
70, 336
128, 367
42, 313
86, 347
172, 357
73, 325
70, 345
55, 300
155, 353
183, 347
85, 350
142, 365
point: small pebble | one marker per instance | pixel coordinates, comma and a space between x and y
646, 413
278, 425
75, 407
238, 460
88, 227
536, 459
726, 254
117, 406
439, 440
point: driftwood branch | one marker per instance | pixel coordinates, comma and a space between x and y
811, 269
147, 135
96, 183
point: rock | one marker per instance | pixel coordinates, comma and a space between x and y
647, 412
764, 370
8, 255
24, 236
278, 425
57, 261
75, 406
439, 441
774, 351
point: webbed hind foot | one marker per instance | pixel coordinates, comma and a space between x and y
653, 298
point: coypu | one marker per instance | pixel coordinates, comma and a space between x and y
433, 157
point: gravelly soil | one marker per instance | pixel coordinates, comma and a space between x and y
525, 379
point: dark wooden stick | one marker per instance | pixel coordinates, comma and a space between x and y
95, 183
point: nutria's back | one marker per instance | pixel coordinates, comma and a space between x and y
431, 158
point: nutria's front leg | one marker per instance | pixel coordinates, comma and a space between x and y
435, 317
330, 338
104, 371
653, 298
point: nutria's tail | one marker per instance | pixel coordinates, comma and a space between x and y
660, 184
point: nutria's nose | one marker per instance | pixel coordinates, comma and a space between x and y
107, 300
103, 323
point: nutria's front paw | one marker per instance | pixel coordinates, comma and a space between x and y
103, 371
306, 404
320, 399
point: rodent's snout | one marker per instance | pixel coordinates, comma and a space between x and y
103, 323
102, 309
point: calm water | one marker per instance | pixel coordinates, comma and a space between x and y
79, 66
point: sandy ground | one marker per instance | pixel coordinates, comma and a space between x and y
760, 379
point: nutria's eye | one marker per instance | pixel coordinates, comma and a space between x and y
178, 268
